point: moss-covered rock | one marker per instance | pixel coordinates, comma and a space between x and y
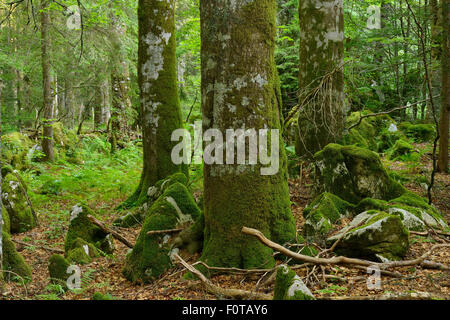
419, 132
13, 261
15, 203
353, 173
57, 267
83, 232
400, 148
82, 252
14, 149
192, 237
151, 255
323, 212
289, 286
374, 235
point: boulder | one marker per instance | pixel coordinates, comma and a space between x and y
323, 212
152, 254
374, 235
14, 149
353, 173
419, 132
57, 268
401, 148
15, 202
289, 286
84, 239
13, 261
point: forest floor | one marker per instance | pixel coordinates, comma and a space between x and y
104, 274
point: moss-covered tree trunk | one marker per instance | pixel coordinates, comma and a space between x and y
47, 121
445, 95
240, 89
119, 82
160, 107
321, 74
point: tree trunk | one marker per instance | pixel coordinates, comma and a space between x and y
47, 137
160, 107
119, 83
445, 93
321, 76
241, 90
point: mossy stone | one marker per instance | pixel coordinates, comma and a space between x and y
13, 261
15, 203
289, 286
353, 173
150, 256
57, 267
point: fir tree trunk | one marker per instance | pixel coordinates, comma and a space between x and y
321, 76
47, 137
240, 89
445, 93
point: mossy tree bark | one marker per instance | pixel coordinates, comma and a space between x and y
445, 95
321, 76
47, 136
119, 82
160, 107
240, 89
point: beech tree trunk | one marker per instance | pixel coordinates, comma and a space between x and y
240, 90
321, 76
160, 108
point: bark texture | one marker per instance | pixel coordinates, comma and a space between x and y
321, 75
240, 89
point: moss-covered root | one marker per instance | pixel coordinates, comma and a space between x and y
13, 261
289, 286
151, 255
353, 173
192, 237
57, 267
16, 204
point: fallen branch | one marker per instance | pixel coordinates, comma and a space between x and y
56, 250
153, 232
400, 296
221, 292
341, 260
108, 230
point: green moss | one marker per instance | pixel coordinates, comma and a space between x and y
12, 260
100, 296
129, 220
6, 221
325, 210
15, 203
150, 255
57, 268
353, 173
370, 204
421, 132
288, 286
80, 227
14, 148
78, 256
382, 234
400, 148
192, 237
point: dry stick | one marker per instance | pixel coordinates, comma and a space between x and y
153, 232
56, 250
339, 260
108, 230
401, 296
218, 291
426, 233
